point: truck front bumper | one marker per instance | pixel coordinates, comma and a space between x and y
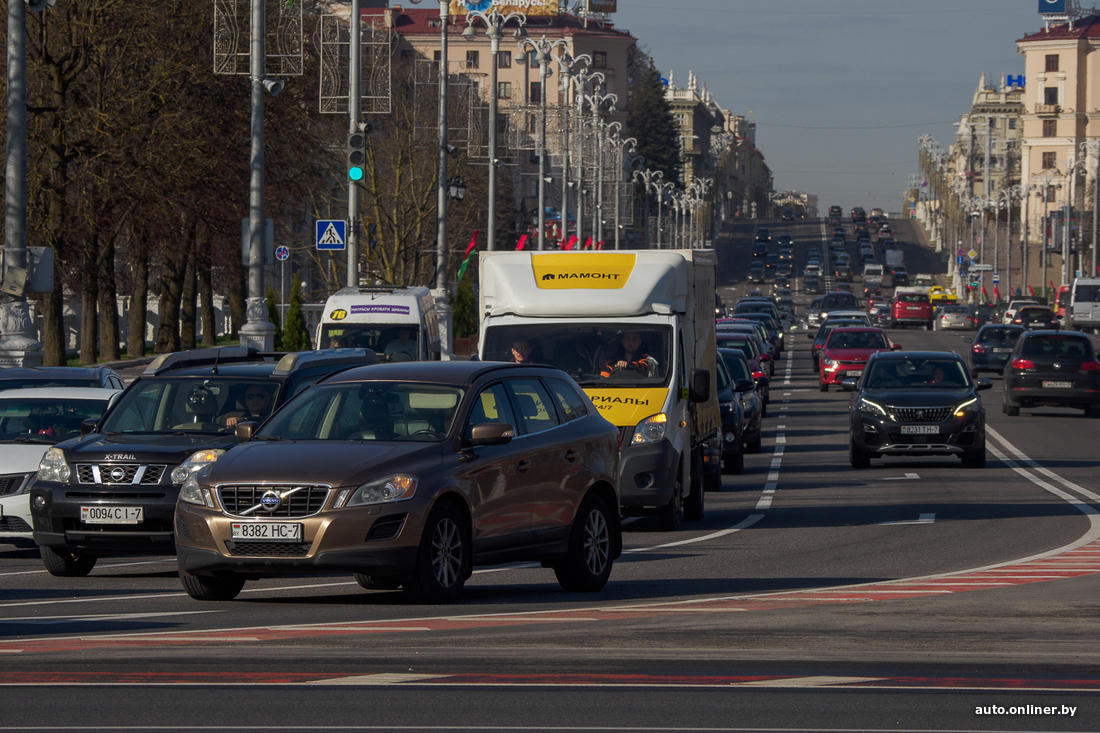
647, 474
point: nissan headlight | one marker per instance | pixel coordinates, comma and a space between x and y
650, 430
865, 405
970, 407
194, 462
53, 467
380, 491
193, 493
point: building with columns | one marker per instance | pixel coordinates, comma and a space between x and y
986, 150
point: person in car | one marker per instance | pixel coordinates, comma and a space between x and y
257, 403
521, 352
402, 347
633, 354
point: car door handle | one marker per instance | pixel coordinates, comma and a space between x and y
572, 455
523, 466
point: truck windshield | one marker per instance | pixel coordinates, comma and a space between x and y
605, 354
384, 338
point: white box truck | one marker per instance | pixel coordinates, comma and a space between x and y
636, 331
398, 323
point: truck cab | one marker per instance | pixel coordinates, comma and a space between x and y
636, 331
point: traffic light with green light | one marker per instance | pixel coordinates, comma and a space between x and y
356, 154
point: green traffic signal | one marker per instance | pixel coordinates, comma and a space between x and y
355, 173
356, 155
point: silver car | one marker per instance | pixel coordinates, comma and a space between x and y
955, 317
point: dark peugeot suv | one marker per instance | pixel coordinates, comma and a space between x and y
113, 490
916, 403
1052, 368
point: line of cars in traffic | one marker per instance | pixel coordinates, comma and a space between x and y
404, 475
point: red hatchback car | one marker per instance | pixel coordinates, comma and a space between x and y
846, 353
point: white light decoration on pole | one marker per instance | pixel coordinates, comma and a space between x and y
494, 23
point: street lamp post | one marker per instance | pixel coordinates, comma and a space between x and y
580, 83
494, 23
1092, 147
543, 48
622, 146
596, 100
650, 179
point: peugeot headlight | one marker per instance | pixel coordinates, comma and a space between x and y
865, 405
650, 430
194, 462
53, 467
970, 407
380, 491
193, 493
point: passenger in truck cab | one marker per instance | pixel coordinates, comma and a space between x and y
632, 355
521, 352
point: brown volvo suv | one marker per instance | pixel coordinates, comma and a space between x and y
408, 475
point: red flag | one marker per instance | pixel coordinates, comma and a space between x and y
996, 293
571, 243
472, 245
599, 244
1031, 290
522, 243
983, 291
588, 244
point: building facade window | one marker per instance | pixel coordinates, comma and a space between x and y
1048, 193
504, 90
1050, 128
437, 56
504, 60
599, 59
473, 59
1050, 95
1011, 123
1051, 62
434, 23
536, 92
1048, 160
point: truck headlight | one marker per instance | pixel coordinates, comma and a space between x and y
381, 491
650, 430
53, 467
194, 462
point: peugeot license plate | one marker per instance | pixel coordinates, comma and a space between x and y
111, 514
267, 531
920, 429
1001, 350
1057, 385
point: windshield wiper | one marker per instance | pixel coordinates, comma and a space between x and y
34, 439
266, 437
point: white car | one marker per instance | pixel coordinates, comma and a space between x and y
32, 420
857, 315
1013, 306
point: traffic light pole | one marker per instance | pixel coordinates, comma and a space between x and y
354, 109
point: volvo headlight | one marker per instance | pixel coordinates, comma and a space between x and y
865, 405
650, 430
380, 491
53, 467
194, 462
193, 493
970, 407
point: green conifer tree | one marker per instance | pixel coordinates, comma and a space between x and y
296, 337
465, 309
651, 123
273, 316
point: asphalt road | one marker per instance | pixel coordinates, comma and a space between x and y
812, 597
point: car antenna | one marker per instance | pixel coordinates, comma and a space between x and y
217, 355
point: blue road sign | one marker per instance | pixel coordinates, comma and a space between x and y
282, 253
332, 234
996, 278
959, 260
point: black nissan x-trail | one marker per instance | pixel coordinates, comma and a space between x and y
916, 403
113, 490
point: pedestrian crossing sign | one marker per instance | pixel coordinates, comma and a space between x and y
332, 234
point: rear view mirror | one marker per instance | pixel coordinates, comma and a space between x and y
88, 426
700, 385
491, 433
895, 347
849, 385
743, 385
985, 384
245, 430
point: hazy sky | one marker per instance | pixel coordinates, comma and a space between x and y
840, 89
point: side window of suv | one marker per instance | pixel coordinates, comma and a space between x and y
572, 406
491, 406
536, 411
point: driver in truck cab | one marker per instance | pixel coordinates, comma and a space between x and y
632, 354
